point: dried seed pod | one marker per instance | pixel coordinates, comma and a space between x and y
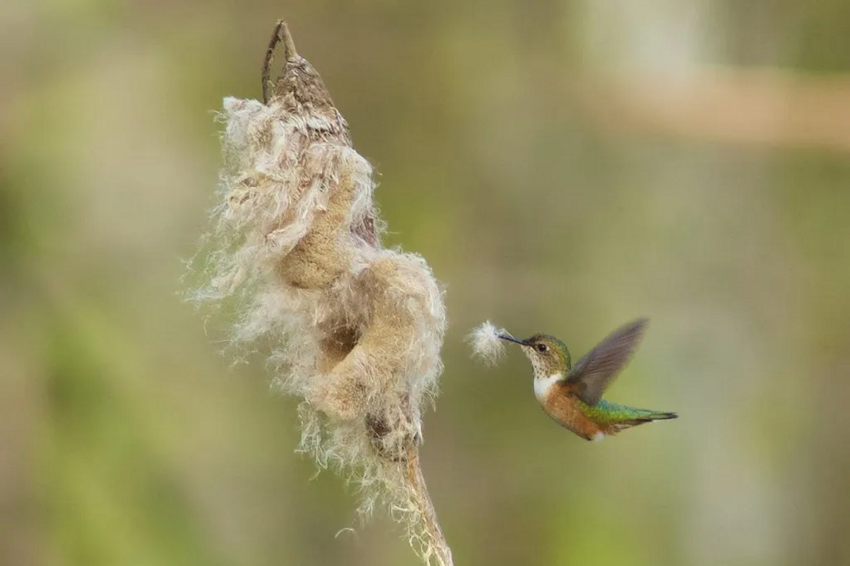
355, 329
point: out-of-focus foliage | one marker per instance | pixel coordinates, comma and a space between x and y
563, 166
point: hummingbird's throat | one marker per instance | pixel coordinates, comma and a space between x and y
542, 366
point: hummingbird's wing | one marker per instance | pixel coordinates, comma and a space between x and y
595, 370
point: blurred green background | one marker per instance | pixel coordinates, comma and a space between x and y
565, 166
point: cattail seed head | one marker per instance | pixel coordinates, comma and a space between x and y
355, 330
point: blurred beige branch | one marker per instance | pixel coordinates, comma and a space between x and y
749, 106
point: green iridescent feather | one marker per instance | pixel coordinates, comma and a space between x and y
605, 412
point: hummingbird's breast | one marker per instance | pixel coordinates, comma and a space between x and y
558, 402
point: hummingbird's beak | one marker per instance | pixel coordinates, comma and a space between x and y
510, 338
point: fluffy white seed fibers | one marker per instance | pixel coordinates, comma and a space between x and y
486, 343
351, 328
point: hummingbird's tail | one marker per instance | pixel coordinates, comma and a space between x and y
615, 418
647, 418
662, 416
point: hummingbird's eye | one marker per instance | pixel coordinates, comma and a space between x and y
542, 347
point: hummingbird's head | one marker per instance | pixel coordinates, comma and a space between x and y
548, 355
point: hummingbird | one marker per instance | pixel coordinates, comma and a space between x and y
572, 395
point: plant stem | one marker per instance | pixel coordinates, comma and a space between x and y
280, 33
422, 500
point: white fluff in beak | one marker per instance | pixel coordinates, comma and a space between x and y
486, 343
